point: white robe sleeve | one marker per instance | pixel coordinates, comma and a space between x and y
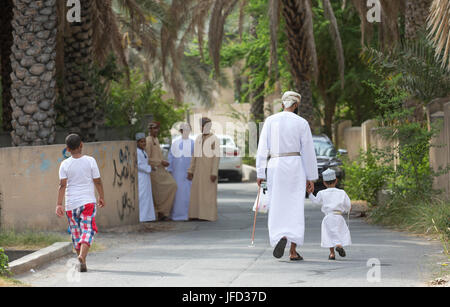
170, 157
143, 165
263, 152
347, 203
309, 154
316, 199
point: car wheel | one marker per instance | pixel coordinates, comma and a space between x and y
237, 178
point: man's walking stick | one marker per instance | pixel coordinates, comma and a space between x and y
256, 213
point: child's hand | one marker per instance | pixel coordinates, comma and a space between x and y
101, 203
59, 211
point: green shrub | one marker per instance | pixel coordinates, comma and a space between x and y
4, 267
29, 239
418, 216
365, 177
129, 103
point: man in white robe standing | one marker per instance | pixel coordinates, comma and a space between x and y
180, 156
146, 206
286, 150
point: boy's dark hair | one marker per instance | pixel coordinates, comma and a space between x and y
73, 141
331, 182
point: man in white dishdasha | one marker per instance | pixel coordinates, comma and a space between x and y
287, 160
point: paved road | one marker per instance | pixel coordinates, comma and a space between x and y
218, 254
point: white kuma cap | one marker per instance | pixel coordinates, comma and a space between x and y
329, 175
290, 98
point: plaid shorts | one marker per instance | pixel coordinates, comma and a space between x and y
82, 225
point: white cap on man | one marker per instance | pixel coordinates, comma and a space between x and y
290, 98
329, 175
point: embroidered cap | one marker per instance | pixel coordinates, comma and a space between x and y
140, 136
329, 175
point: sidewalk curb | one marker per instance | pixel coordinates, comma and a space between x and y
40, 257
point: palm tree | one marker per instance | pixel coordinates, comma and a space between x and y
46, 45
302, 54
416, 14
301, 51
388, 28
91, 41
256, 94
33, 77
79, 102
6, 40
191, 17
184, 20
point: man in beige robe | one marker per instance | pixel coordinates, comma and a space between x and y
204, 173
164, 187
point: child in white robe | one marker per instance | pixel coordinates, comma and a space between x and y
335, 202
146, 205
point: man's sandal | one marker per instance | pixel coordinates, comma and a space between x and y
341, 251
298, 258
278, 252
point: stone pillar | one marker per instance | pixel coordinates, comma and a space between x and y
366, 127
440, 153
33, 77
352, 140
339, 133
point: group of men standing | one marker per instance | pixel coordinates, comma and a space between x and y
184, 187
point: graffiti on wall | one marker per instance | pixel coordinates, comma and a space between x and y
124, 174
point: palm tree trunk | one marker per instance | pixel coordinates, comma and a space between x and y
33, 78
79, 101
329, 110
300, 57
6, 40
257, 91
417, 12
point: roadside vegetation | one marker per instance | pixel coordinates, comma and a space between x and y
397, 181
29, 240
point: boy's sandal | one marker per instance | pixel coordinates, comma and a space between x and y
298, 258
278, 252
341, 251
83, 266
331, 258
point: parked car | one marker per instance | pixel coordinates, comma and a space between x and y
327, 157
230, 166
165, 148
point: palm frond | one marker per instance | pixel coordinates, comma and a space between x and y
439, 30
422, 74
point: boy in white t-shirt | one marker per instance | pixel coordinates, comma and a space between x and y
335, 232
79, 176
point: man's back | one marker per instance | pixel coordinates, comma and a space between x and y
284, 132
